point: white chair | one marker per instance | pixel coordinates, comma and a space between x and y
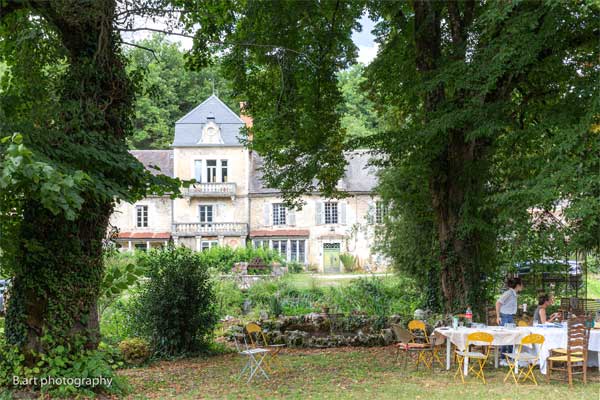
255, 357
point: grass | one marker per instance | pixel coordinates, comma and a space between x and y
593, 287
345, 373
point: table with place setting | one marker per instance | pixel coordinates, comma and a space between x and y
555, 337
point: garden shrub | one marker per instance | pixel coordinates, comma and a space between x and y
175, 309
349, 262
223, 258
116, 322
135, 351
295, 267
229, 297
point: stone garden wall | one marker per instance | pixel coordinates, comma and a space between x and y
326, 330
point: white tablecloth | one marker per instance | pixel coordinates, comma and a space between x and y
502, 336
554, 338
557, 338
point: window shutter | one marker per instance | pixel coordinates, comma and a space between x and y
342, 213
319, 213
371, 213
291, 217
267, 214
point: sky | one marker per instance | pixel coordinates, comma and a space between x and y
364, 40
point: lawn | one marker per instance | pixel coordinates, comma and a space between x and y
343, 373
593, 287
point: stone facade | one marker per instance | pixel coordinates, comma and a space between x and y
230, 206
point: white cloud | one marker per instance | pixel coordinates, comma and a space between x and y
366, 54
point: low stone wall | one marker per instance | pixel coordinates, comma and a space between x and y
323, 330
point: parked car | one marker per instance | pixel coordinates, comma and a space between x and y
553, 271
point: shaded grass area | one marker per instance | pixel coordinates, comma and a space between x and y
345, 373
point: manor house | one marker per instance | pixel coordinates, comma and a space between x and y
230, 206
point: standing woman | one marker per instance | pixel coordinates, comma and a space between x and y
506, 306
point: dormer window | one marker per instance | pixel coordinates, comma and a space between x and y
211, 133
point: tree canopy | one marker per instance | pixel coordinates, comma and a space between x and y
479, 129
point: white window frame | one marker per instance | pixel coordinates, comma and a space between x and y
208, 244
198, 170
331, 213
295, 255
279, 214
142, 221
381, 211
206, 213
212, 171
224, 167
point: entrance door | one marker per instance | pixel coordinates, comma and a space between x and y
331, 257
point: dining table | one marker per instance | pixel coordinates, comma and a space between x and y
555, 337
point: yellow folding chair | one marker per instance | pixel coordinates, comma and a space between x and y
475, 338
522, 323
513, 360
256, 334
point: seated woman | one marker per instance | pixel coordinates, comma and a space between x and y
539, 316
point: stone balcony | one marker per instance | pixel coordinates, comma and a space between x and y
211, 189
210, 229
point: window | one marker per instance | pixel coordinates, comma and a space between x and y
142, 216
380, 212
281, 247
298, 252
211, 170
258, 243
331, 213
279, 214
206, 214
141, 246
198, 170
223, 170
207, 244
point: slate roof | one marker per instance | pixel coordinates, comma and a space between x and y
162, 159
359, 176
188, 129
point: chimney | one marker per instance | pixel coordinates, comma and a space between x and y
246, 118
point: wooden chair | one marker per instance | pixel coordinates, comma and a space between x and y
406, 342
573, 359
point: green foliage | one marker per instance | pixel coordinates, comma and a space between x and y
116, 322
228, 297
349, 262
222, 258
135, 351
287, 73
359, 117
121, 272
168, 91
373, 296
295, 267
175, 309
81, 371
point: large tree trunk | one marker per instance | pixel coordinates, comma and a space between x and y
60, 263
448, 184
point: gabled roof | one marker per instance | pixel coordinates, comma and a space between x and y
162, 159
188, 129
359, 175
